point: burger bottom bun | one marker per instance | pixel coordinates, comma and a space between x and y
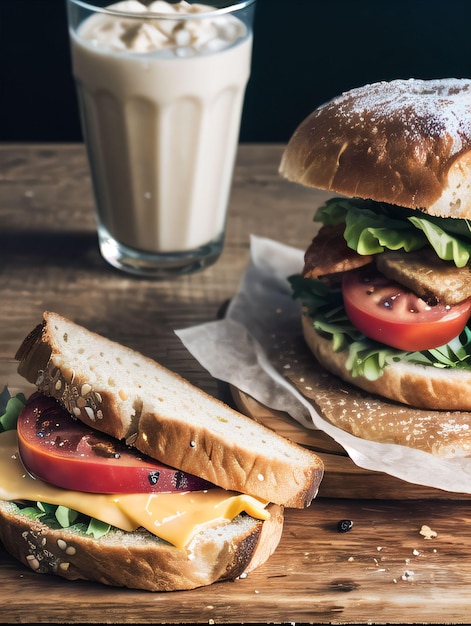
421, 386
417, 406
140, 560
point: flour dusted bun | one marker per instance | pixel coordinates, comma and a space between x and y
404, 142
140, 560
416, 385
118, 391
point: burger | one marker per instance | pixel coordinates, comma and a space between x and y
386, 282
119, 471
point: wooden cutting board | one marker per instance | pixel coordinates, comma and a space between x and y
342, 478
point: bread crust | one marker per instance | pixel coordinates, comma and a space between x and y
163, 415
139, 560
404, 142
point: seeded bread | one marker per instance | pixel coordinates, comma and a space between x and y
140, 560
127, 395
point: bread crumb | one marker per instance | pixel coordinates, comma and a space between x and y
427, 532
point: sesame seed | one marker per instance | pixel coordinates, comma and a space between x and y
32, 562
90, 414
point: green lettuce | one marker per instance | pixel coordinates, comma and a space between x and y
58, 516
10, 407
373, 227
447, 246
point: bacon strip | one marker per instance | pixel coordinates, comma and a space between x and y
329, 255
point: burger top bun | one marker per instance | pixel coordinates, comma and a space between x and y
404, 142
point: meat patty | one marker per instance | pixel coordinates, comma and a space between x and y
424, 273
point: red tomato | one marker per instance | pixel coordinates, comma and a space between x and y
64, 452
392, 314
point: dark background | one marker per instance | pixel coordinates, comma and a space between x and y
305, 52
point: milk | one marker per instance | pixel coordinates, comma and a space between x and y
161, 124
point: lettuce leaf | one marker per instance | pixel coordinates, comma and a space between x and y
10, 407
448, 247
373, 227
372, 233
57, 516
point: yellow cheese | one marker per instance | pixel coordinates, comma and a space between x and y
174, 517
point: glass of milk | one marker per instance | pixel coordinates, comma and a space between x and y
161, 88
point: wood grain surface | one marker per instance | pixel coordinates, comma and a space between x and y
382, 571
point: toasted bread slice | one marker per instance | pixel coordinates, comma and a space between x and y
138, 559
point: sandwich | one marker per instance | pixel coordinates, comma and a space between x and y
123, 473
386, 283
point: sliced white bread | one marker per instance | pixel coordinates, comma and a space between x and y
127, 395
138, 559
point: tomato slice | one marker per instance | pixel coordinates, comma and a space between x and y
64, 452
388, 312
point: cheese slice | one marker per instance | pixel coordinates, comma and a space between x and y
174, 517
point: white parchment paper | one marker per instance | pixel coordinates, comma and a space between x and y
263, 317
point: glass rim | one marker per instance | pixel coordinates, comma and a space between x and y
231, 7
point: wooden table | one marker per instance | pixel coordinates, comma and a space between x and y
383, 570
